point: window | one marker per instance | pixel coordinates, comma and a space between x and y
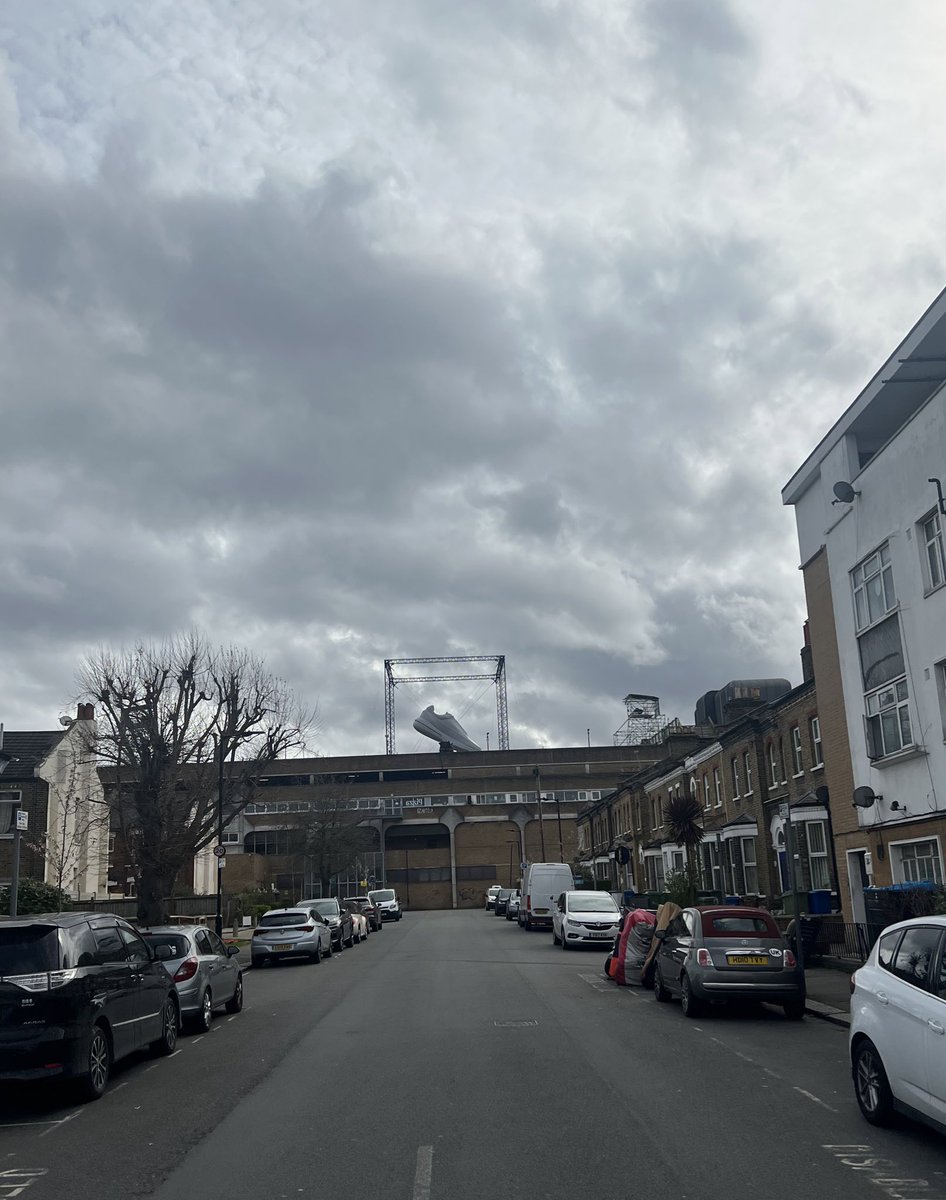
9, 803
917, 862
888, 720
886, 948
796, 751
230, 839
111, 844
268, 841
773, 766
734, 771
203, 943
874, 594
818, 855
749, 866
940, 670
706, 792
915, 953
135, 948
934, 560
814, 733
781, 759
109, 945
717, 787
747, 763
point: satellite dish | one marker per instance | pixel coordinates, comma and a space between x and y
66, 721
844, 492
864, 797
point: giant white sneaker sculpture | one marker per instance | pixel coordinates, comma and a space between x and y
445, 729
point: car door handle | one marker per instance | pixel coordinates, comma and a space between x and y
936, 1027
882, 997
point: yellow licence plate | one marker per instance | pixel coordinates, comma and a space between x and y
283, 946
747, 960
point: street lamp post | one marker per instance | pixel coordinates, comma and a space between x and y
538, 796
790, 850
218, 915
5, 760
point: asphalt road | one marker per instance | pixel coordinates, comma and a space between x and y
455, 1057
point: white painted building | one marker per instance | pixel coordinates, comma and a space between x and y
871, 531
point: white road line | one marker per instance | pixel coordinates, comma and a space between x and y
423, 1172
71, 1117
119, 1086
175, 1054
194, 1041
229, 1019
815, 1099
769, 1071
154, 1067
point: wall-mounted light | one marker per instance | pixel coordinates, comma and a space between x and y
896, 806
844, 493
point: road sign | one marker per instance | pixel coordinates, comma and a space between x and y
220, 851
221, 862
22, 819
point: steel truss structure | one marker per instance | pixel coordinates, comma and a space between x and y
392, 677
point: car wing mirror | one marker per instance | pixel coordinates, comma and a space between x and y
233, 951
660, 935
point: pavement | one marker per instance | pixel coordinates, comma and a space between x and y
829, 993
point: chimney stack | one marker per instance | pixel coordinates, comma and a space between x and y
85, 712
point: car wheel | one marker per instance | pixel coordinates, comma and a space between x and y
316, 957
554, 937
256, 962
874, 1097
167, 1042
235, 1003
331, 949
794, 1009
688, 1002
660, 988
203, 1018
351, 940
98, 1065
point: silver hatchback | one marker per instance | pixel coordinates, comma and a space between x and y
727, 953
206, 973
290, 933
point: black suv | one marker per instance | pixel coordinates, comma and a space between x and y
77, 992
336, 917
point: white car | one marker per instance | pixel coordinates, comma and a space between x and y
359, 922
898, 1024
583, 918
491, 894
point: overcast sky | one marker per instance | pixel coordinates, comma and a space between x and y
374, 330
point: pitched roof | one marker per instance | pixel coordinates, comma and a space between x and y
27, 751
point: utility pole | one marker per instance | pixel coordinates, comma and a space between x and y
538, 797
219, 850
790, 849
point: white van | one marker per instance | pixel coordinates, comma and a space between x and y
542, 884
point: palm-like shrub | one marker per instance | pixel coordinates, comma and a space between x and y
683, 820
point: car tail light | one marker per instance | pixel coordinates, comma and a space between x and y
529, 903
187, 970
300, 928
59, 979
258, 931
789, 960
703, 958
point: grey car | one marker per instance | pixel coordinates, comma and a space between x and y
725, 953
512, 906
291, 933
205, 971
337, 917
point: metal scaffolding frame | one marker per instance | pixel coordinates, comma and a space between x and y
393, 677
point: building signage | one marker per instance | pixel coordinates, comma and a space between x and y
22, 819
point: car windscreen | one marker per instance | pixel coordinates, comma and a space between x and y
591, 903
384, 894
504, 893
26, 951
178, 944
327, 908
277, 920
745, 925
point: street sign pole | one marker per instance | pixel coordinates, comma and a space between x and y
22, 821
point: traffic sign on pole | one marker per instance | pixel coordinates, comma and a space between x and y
220, 851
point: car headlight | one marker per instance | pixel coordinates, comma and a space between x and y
574, 924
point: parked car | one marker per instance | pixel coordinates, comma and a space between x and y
585, 918
898, 1017
542, 883
512, 906
491, 894
369, 908
78, 991
338, 920
359, 921
713, 954
502, 899
291, 933
387, 902
206, 973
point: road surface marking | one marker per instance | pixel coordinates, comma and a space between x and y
595, 981
881, 1172
738, 1054
16, 1180
423, 1172
769, 1071
815, 1099
69, 1117
194, 1041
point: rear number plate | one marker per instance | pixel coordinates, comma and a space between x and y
601, 935
283, 946
747, 960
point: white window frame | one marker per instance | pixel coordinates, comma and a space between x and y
747, 763
881, 703
796, 752
748, 866
706, 791
940, 669
734, 771
875, 567
897, 860
717, 787
817, 751
934, 555
820, 877
773, 766
15, 801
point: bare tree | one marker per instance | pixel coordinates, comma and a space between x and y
174, 720
333, 840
